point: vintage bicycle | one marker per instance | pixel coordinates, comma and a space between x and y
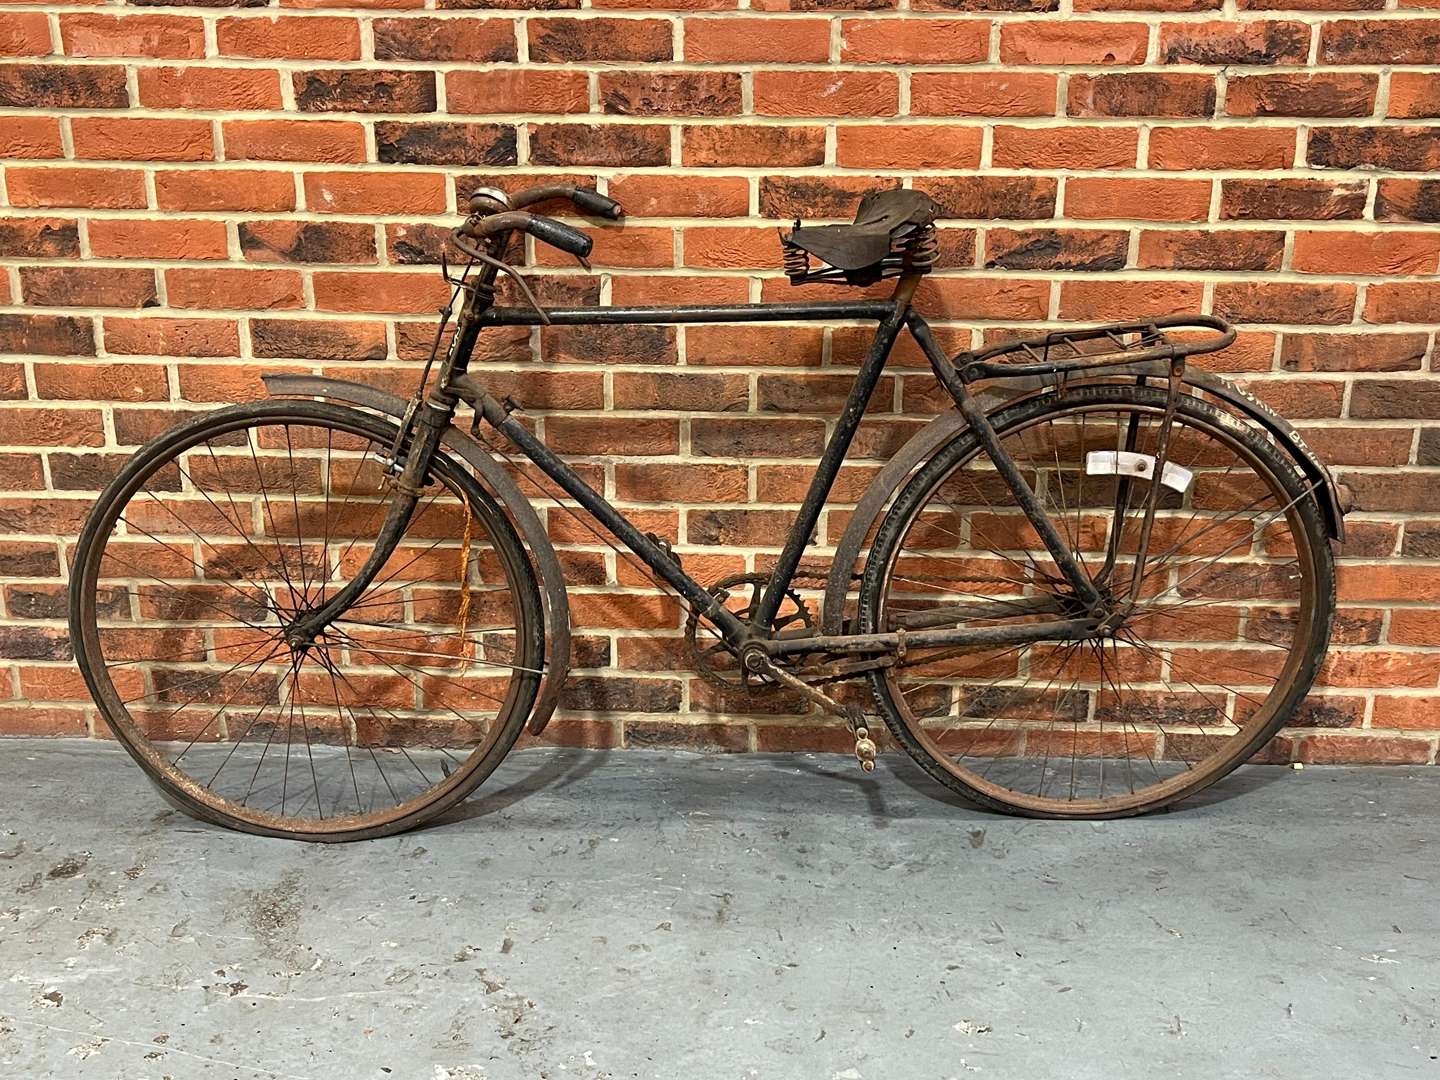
329, 615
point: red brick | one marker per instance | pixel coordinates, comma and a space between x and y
985, 298
54, 86
1356, 352
603, 436
228, 189
47, 335
308, 241
517, 91
208, 88
1409, 147
914, 41
1303, 199
165, 238
294, 140
679, 93
752, 346
678, 195
994, 196
908, 146
86, 286
24, 33
1346, 749
109, 138
1327, 94
30, 137
112, 189
380, 291
1380, 41
1152, 200
745, 145
1056, 249
1414, 95
234, 289
758, 40
1065, 148
1207, 249
1408, 302
374, 193
1269, 42
1221, 148
110, 381
1366, 253
172, 337
1408, 200
171, 36
1284, 302
1107, 300
562, 40
731, 248
341, 90
826, 93
317, 339
987, 93
289, 37
1421, 712
625, 246
1073, 42
1136, 93
39, 238
472, 40
599, 144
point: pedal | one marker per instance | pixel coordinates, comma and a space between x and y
865, 748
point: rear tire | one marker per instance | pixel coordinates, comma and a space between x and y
1281, 610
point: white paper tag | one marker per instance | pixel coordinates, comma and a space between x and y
1126, 463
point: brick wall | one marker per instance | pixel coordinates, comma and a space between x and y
197, 194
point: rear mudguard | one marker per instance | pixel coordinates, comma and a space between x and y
552, 584
948, 425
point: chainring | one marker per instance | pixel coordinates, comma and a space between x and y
713, 660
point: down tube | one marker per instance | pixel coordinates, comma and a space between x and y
830, 461
1005, 465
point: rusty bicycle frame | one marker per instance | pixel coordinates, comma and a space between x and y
427, 421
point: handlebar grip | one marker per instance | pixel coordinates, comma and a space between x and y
557, 234
592, 202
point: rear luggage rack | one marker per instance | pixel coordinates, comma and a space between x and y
1062, 351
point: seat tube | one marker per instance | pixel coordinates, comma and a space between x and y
830, 461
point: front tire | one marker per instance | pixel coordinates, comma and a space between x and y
217, 535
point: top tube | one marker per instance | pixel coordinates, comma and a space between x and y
812, 311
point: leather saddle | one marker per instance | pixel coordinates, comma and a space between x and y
884, 221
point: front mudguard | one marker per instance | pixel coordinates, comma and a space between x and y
945, 427
555, 607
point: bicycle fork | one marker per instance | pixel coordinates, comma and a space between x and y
431, 418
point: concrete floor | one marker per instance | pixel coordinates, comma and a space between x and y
645, 914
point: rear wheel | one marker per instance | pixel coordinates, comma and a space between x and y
217, 536
1231, 622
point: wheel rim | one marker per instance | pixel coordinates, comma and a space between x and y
232, 529
1170, 703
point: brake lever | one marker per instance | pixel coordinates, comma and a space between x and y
505, 268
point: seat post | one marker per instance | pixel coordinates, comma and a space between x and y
905, 288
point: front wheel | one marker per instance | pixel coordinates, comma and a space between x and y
217, 537
1235, 598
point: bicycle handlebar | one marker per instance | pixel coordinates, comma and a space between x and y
555, 233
